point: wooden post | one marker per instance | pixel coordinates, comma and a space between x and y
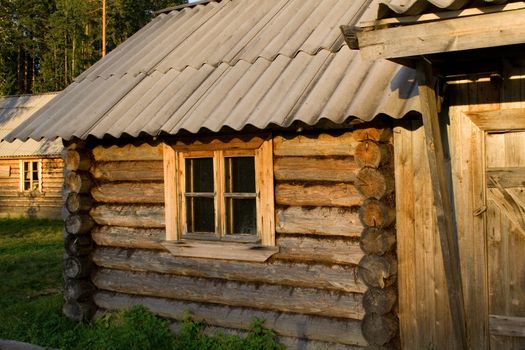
442, 200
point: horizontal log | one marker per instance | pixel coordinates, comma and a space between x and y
379, 301
129, 237
290, 274
77, 160
315, 169
312, 250
129, 215
315, 145
128, 171
129, 192
377, 241
319, 195
378, 271
318, 221
379, 329
375, 213
259, 296
373, 154
79, 224
127, 153
79, 311
78, 182
283, 324
76, 203
374, 183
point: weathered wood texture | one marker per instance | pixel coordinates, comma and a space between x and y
317, 224
264, 296
284, 324
45, 204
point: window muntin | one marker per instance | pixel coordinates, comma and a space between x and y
30, 175
199, 195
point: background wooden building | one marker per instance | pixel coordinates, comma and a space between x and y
324, 248
31, 172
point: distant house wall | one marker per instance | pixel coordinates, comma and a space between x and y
310, 291
36, 204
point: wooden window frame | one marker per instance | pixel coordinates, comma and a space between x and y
22, 162
216, 245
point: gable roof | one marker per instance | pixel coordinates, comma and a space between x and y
14, 110
229, 64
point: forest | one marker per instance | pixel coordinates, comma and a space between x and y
45, 44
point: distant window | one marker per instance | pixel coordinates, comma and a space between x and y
31, 175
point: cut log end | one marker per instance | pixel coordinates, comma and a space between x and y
372, 154
378, 271
77, 160
79, 224
379, 301
76, 203
377, 241
76, 245
78, 290
379, 329
79, 311
78, 182
375, 213
77, 267
373, 183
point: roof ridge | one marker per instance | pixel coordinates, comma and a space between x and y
183, 6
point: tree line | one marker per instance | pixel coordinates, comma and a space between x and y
45, 44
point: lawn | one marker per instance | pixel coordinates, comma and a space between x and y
31, 299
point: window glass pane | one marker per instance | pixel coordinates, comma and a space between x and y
240, 174
240, 216
35, 171
199, 175
200, 214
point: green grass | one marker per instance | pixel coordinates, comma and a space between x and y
31, 300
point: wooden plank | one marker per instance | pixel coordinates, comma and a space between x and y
128, 171
337, 278
129, 215
319, 195
315, 145
260, 296
456, 34
129, 192
129, 237
442, 200
323, 250
127, 153
171, 193
499, 120
211, 144
220, 250
315, 169
284, 324
265, 190
507, 326
322, 221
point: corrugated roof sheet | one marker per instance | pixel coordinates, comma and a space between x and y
391, 8
229, 64
15, 110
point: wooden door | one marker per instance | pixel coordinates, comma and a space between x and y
505, 232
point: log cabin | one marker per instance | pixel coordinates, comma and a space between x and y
351, 172
31, 172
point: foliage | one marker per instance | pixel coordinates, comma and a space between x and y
31, 301
45, 44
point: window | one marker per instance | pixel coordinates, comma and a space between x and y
30, 175
219, 199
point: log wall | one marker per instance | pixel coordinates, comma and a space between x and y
45, 204
308, 293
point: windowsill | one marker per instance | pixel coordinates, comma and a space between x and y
220, 250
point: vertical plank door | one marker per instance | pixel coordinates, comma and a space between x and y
505, 172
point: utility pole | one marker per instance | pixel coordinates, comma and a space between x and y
103, 28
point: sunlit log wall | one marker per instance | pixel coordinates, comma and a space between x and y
310, 293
